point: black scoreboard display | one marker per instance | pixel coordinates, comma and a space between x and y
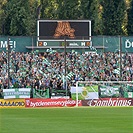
58, 30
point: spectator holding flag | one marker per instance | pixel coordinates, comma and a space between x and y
48, 68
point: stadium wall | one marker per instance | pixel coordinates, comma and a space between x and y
99, 44
38, 102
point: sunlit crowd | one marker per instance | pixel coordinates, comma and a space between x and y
50, 69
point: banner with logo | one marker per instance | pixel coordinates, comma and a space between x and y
12, 103
36, 102
89, 92
128, 94
108, 102
16, 93
127, 44
109, 91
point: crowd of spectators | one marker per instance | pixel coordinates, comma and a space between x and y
48, 69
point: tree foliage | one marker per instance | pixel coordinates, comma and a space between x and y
113, 16
109, 17
2, 16
69, 9
18, 18
130, 19
46, 9
94, 14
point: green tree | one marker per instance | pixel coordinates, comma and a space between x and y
94, 9
2, 16
113, 16
48, 9
130, 19
18, 18
34, 15
69, 9
109, 17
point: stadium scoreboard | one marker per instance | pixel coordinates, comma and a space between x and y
56, 32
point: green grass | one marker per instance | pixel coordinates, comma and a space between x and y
67, 120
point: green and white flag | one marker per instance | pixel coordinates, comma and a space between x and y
69, 76
130, 94
117, 71
41, 72
50, 51
45, 61
109, 91
85, 93
16, 93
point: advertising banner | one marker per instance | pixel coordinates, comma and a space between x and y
128, 91
108, 102
127, 44
12, 103
16, 93
36, 102
128, 94
109, 91
84, 93
16, 43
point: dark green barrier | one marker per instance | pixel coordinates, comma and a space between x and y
99, 44
17, 44
127, 44
37, 93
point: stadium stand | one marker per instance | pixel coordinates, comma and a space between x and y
46, 70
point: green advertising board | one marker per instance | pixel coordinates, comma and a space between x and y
17, 44
62, 43
98, 44
109, 91
114, 43
109, 43
127, 44
16, 93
